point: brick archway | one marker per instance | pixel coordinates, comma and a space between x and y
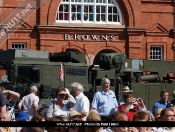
127, 13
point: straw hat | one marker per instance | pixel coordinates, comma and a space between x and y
126, 89
74, 113
157, 113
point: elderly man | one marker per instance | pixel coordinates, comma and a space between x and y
167, 114
82, 104
5, 116
30, 102
162, 104
104, 101
2, 102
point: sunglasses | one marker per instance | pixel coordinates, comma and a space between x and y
61, 94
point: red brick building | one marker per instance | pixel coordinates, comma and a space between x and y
141, 28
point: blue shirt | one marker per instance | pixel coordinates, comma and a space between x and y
105, 103
159, 105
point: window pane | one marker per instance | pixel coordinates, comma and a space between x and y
110, 1
74, 12
109, 10
110, 18
103, 9
115, 18
114, 10
63, 12
79, 12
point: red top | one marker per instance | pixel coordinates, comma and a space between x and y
131, 111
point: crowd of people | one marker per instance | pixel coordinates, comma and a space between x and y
77, 107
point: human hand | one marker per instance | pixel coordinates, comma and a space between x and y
132, 129
140, 101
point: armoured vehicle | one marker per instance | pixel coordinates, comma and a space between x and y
22, 68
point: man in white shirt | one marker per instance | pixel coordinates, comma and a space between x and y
30, 102
167, 114
82, 104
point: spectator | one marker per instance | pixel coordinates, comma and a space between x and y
91, 118
30, 102
34, 129
144, 116
38, 117
2, 102
5, 116
130, 107
162, 103
167, 114
125, 91
11, 99
62, 105
121, 116
157, 115
104, 101
82, 102
56, 129
75, 116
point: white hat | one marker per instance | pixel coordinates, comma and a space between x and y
126, 89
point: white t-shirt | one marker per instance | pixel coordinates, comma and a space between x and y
64, 111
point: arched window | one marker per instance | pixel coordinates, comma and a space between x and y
89, 11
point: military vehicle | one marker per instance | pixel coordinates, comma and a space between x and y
22, 68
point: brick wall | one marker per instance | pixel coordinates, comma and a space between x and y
145, 23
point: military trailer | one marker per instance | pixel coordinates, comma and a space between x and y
22, 68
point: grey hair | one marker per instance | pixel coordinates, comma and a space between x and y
33, 129
33, 89
77, 86
104, 80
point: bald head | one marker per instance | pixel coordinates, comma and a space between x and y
5, 116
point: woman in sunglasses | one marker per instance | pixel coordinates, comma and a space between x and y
64, 102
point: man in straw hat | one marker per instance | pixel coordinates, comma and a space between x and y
125, 91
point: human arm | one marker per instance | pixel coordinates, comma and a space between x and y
154, 109
49, 113
115, 102
2, 101
35, 104
71, 101
20, 105
15, 95
141, 103
3, 108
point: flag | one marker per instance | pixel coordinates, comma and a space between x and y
61, 76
